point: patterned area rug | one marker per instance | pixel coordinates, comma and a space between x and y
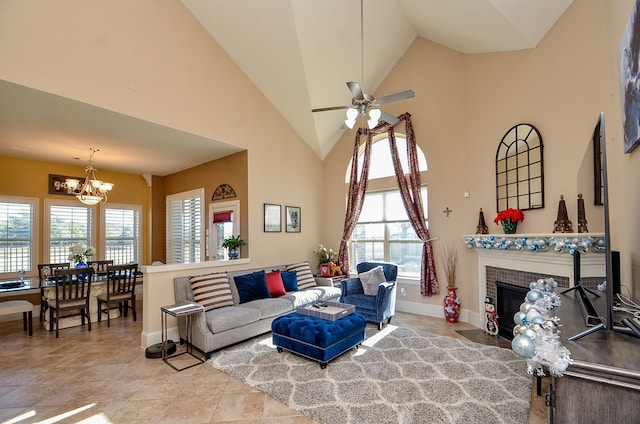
398, 375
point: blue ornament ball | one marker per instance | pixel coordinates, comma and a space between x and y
538, 320
534, 295
523, 346
518, 317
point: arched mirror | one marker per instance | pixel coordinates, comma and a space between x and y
519, 169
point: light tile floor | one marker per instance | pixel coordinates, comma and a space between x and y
103, 376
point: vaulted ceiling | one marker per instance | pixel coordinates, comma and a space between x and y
299, 53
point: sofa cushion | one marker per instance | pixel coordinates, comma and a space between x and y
304, 274
290, 280
328, 292
252, 286
211, 290
222, 319
270, 307
371, 280
275, 283
303, 297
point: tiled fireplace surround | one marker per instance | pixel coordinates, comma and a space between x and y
520, 268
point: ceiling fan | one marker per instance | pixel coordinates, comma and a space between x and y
363, 104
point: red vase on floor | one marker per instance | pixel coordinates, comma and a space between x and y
452, 305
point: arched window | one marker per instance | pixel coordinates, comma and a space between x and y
384, 232
381, 165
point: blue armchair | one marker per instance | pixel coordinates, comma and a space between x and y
377, 308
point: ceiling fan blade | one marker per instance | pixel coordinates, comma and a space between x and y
395, 97
324, 109
356, 90
388, 118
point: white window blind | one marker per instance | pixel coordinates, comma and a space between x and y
121, 234
68, 226
185, 227
17, 235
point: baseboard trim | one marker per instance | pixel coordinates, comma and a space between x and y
148, 339
437, 311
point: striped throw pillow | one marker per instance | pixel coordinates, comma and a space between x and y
305, 276
211, 290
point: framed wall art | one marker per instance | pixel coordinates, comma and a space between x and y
272, 218
628, 55
293, 219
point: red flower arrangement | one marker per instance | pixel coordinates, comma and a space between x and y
512, 214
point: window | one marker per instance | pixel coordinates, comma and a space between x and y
384, 231
224, 221
18, 235
185, 243
69, 223
121, 236
381, 164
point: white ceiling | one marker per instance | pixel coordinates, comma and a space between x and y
299, 53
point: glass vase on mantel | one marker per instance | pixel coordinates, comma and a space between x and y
452, 305
509, 226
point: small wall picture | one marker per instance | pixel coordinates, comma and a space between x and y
293, 219
272, 218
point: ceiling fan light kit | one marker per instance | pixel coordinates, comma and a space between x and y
92, 191
365, 104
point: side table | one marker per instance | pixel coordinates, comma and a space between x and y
185, 309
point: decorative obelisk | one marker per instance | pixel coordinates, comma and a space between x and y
482, 226
562, 224
582, 216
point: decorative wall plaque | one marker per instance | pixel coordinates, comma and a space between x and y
58, 184
223, 191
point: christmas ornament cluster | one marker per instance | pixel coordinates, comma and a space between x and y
536, 333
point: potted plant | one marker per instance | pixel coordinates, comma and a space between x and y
451, 300
233, 244
509, 219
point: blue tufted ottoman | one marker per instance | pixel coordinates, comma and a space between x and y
317, 338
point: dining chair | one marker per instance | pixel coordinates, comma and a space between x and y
73, 288
45, 272
121, 291
101, 266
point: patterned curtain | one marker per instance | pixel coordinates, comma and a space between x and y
411, 197
357, 190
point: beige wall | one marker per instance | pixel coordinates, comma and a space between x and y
90, 51
464, 104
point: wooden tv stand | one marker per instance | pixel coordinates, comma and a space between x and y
603, 383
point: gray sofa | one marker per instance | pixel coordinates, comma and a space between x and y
217, 328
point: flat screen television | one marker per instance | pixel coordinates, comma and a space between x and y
612, 259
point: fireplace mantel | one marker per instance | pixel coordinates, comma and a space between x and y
543, 261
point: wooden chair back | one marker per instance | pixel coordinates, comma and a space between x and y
52, 269
73, 283
121, 278
101, 265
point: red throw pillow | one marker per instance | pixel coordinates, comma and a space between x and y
275, 284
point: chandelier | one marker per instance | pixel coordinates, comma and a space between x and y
92, 190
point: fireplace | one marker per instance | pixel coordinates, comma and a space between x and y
508, 301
